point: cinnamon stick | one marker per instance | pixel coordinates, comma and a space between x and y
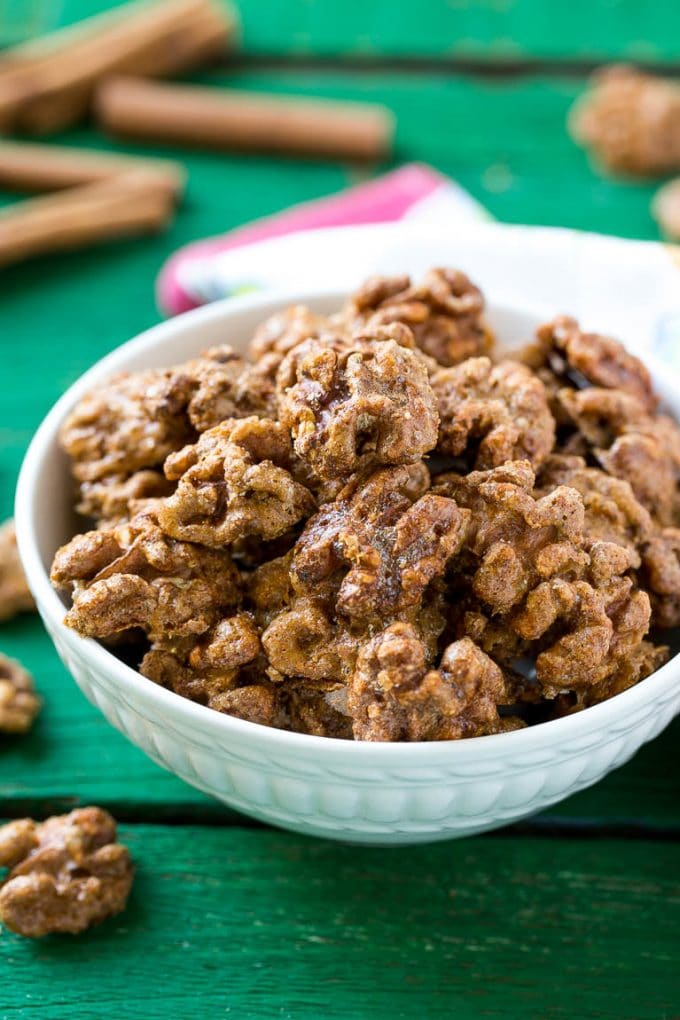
230, 119
45, 87
26, 166
123, 206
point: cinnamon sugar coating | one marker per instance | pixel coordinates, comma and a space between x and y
372, 530
371, 556
19, 704
589, 358
235, 482
110, 500
445, 310
515, 539
501, 411
284, 330
614, 514
65, 874
318, 709
353, 407
134, 422
134, 576
631, 443
204, 668
15, 596
661, 575
557, 575
395, 695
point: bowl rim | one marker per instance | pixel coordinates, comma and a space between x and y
166, 706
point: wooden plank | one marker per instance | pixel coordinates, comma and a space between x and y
258, 924
505, 141
485, 30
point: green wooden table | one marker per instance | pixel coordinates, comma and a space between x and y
573, 914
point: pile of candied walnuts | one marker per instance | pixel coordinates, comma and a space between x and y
378, 527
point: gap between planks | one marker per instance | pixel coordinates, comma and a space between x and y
484, 67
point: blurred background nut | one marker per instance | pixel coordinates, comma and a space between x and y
666, 209
19, 704
14, 594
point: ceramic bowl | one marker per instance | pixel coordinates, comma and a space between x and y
355, 792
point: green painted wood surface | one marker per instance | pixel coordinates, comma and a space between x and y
262, 924
572, 915
59, 315
450, 30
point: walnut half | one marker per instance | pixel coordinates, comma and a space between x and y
65, 874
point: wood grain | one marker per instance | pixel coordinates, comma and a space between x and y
262, 924
530, 172
247, 922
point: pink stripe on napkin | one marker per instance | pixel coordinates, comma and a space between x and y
382, 200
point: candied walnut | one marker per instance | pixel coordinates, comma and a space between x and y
497, 413
588, 359
666, 209
516, 540
201, 670
224, 385
641, 661
356, 408
601, 414
234, 482
133, 422
318, 709
270, 589
591, 631
630, 443
631, 122
283, 331
467, 617
19, 704
661, 575
612, 512
111, 499
641, 460
394, 695
134, 576
370, 557
614, 515
15, 596
258, 703
65, 874
303, 640
379, 545
556, 570
445, 311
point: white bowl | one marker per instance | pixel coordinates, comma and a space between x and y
355, 792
